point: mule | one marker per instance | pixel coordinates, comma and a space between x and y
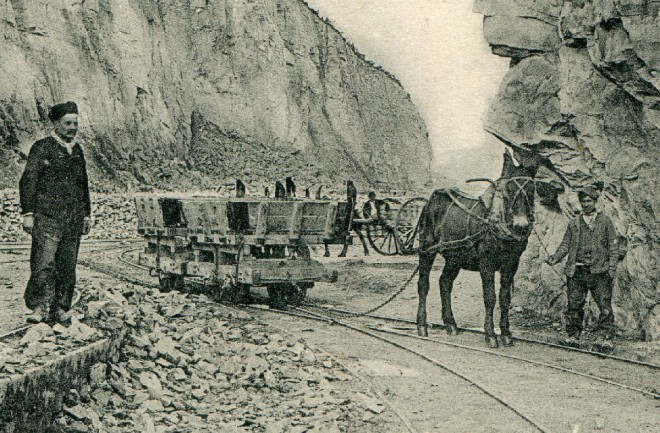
486, 235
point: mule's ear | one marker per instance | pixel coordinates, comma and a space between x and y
507, 166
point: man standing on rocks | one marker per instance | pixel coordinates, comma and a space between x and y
56, 208
590, 242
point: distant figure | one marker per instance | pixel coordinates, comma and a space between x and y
370, 207
307, 193
240, 189
267, 192
290, 188
354, 213
590, 242
280, 192
56, 206
319, 193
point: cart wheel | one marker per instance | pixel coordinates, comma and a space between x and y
406, 225
277, 296
232, 294
296, 294
382, 239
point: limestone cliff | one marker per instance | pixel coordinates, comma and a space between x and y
583, 91
196, 92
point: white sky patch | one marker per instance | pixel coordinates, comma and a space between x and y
437, 50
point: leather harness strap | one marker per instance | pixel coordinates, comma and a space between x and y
499, 229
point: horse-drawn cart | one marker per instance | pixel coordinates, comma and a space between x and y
394, 229
232, 244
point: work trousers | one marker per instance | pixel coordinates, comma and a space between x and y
53, 261
600, 286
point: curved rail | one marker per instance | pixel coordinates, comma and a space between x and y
472, 382
479, 331
77, 294
310, 315
518, 358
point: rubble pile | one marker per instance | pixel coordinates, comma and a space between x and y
43, 343
11, 223
114, 217
191, 366
583, 94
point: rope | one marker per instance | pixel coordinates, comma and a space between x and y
548, 255
388, 300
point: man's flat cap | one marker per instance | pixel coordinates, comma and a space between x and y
58, 111
589, 191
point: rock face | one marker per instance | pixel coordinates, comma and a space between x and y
583, 91
186, 94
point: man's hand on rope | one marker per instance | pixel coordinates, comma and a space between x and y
87, 225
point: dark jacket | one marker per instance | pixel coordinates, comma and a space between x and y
605, 252
55, 183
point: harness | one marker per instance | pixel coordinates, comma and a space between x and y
494, 224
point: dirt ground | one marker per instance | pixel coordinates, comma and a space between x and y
431, 399
366, 281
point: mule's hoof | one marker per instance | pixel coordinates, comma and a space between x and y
326, 255
492, 342
507, 341
342, 255
452, 330
423, 330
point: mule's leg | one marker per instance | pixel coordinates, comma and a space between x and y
449, 274
364, 242
488, 287
327, 250
506, 285
345, 249
425, 264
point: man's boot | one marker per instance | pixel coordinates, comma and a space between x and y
60, 316
39, 314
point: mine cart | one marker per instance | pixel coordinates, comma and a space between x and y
394, 229
227, 245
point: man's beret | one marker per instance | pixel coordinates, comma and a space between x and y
589, 191
58, 111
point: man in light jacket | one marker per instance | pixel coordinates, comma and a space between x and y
590, 242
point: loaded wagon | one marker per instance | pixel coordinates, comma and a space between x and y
228, 245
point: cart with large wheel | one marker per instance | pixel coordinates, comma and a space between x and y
227, 245
394, 230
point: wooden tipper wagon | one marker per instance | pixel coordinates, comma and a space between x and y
230, 244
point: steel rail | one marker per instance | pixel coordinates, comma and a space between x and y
371, 387
319, 317
77, 293
472, 330
479, 331
407, 423
517, 358
18, 246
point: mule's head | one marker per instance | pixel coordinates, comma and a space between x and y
516, 185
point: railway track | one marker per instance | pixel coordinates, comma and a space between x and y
96, 247
333, 314
380, 328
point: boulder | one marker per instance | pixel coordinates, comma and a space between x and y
588, 102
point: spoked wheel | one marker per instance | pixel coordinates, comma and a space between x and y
297, 293
277, 296
231, 293
406, 225
281, 295
169, 282
382, 239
